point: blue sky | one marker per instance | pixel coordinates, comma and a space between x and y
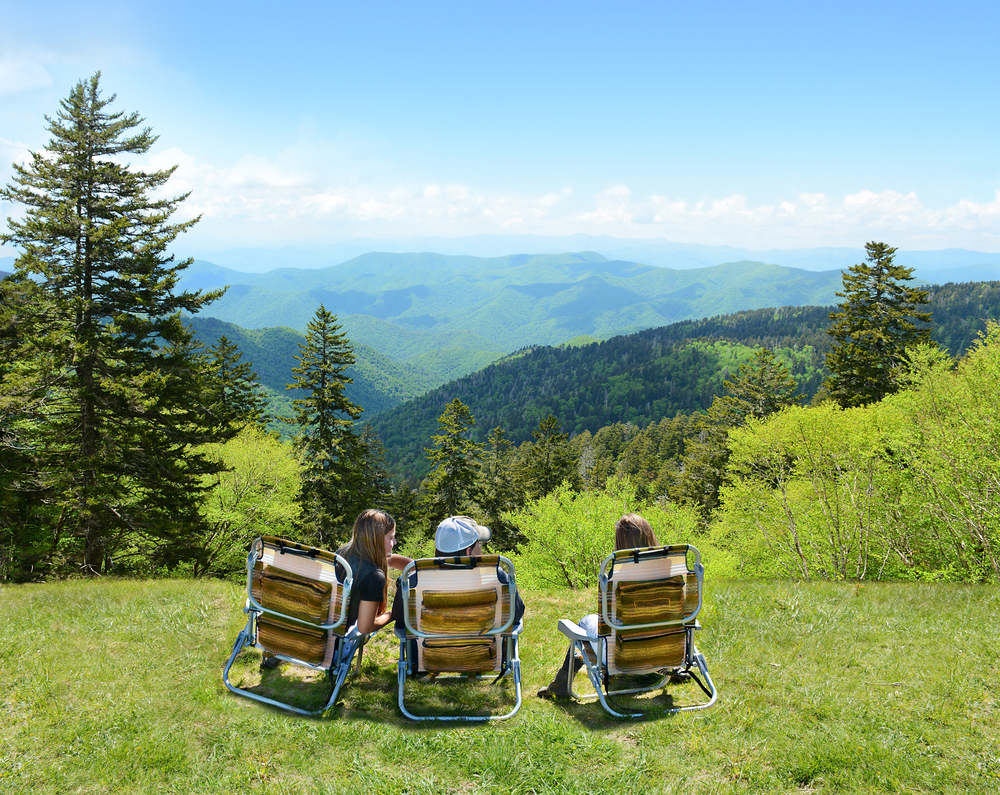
762, 125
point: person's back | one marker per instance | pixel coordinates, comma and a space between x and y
631, 531
458, 536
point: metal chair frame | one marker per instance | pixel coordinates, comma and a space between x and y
508, 635
596, 663
345, 646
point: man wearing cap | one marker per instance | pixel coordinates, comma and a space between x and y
457, 536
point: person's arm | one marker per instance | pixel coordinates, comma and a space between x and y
369, 619
398, 562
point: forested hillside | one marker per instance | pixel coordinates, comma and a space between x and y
653, 374
380, 383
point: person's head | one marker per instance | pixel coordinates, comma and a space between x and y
633, 531
373, 536
460, 535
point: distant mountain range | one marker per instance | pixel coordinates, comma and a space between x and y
452, 315
650, 375
931, 266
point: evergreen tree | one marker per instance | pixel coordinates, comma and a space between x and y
873, 328
27, 490
450, 486
330, 450
106, 405
372, 487
498, 492
403, 505
550, 460
762, 386
238, 396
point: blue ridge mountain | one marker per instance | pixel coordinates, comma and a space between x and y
452, 315
651, 375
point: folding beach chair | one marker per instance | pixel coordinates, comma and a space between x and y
297, 599
647, 614
459, 620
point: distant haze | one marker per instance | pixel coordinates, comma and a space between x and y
929, 265
953, 264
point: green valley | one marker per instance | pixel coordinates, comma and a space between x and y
452, 315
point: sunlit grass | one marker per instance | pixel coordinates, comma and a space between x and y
115, 686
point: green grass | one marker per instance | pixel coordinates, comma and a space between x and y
115, 686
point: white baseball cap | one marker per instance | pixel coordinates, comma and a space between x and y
457, 533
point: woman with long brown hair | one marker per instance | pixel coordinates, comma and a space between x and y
631, 531
370, 554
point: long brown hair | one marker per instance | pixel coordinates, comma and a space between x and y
633, 531
368, 541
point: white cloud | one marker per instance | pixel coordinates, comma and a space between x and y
809, 219
19, 74
269, 199
13, 152
553, 198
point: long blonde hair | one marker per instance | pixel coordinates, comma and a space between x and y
633, 531
368, 541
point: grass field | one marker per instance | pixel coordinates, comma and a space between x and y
115, 686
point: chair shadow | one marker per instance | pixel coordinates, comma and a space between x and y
371, 695
656, 704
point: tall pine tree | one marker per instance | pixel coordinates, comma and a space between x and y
550, 459
498, 492
331, 494
451, 483
238, 396
873, 327
103, 341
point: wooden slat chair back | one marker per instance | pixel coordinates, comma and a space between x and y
648, 601
461, 608
647, 613
297, 598
458, 620
308, 593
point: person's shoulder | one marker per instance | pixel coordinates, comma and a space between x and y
373, 572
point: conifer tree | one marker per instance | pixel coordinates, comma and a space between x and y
238, 396
498, 492
873, 327
551, 459
330, 450
761, 387
450, 486
117, 424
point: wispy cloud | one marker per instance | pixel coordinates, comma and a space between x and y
21, 73
261, 199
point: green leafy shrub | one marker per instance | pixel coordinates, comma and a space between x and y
569, 534
255, 496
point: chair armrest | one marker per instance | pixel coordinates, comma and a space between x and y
573, 631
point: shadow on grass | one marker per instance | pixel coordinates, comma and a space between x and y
653, 705
372, 694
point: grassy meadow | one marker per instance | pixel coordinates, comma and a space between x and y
115, 686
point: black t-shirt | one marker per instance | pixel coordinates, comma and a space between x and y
369, 585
